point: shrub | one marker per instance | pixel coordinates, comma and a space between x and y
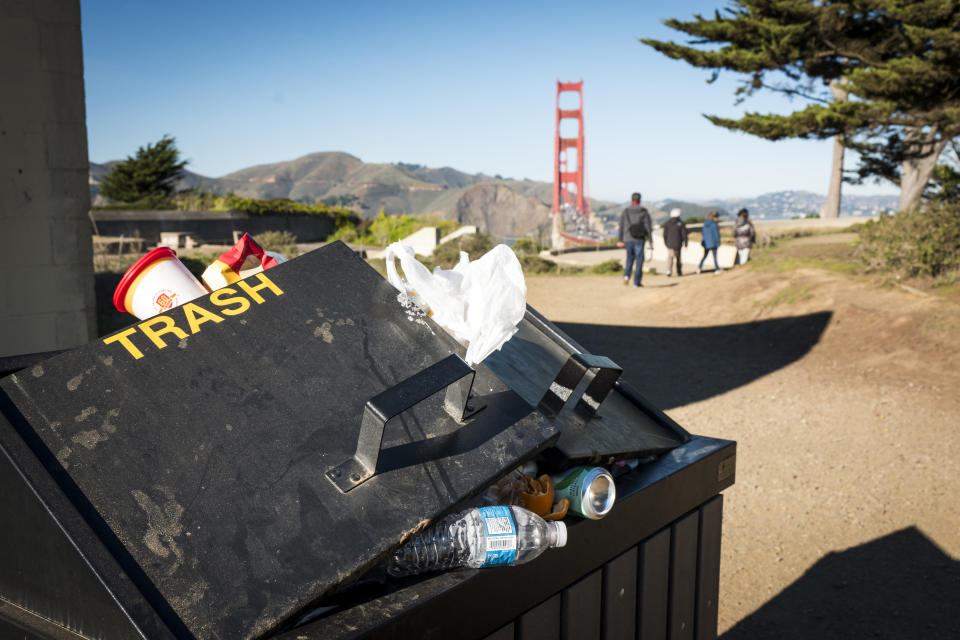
525, 247
385, 229
283, 242
195, 265
195, 200
448, 254
916, 243
346, 233
286, 207
609, 266
945, 186
536, 264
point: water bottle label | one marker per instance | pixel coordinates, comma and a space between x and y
501, 536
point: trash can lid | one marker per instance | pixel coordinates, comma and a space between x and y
601, 418
203, 439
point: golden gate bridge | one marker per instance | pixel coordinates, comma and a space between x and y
573, 222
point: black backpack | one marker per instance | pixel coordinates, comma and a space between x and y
638, 229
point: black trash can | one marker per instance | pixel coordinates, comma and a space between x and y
220, 470
649, 569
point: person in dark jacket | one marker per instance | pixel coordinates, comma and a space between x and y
635, 230
711, 240
675, 237
745, 235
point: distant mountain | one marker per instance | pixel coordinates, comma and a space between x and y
502, 207
690, 209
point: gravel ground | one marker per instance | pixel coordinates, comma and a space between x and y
844, 521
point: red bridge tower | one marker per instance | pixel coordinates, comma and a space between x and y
569, 168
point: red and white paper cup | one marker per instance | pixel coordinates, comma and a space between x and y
155, 283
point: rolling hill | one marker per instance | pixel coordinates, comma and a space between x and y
504, 207
500, 207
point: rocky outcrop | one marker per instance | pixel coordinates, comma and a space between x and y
497, 210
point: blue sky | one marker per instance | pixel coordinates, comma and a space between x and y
466, 85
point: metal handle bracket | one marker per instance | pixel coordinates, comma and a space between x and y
607, 372
452, 373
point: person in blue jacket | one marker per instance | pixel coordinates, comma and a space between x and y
711, 240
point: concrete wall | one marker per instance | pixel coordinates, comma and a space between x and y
211, 227
462, 231
46, 286
424, 241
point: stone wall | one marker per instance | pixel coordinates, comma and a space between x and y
211, 227
46, 287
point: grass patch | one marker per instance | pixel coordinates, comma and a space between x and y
790, 295
948, 281
790, 255
608, 266
784, 264
114, 263
283, 242
951, 291
536, 265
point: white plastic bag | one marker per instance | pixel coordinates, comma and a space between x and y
479, 303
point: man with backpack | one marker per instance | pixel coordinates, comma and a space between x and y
635, 230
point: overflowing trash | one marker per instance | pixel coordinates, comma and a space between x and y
524, 519
158, 281
479, 303
312, 412
481, 537
244, 259
590, 490
519, 487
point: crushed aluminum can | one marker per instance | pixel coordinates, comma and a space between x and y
591, 491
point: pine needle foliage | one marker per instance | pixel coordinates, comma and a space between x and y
899, 61
149, 178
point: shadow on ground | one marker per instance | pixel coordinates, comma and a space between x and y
676, 366
899, 587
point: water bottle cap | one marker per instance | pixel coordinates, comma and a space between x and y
561, 530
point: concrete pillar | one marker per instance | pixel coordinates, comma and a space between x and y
46, 274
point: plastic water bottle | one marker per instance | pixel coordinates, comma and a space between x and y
481, 537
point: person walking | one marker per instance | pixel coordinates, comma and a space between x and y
711, 241
635, 230
744, 234
675, 237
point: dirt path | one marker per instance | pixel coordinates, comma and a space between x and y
844, 398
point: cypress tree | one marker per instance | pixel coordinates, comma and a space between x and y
898, 61
149, 177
